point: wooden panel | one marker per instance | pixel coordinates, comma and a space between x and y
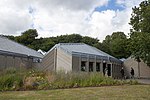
10, 61
26, 63
2, 61
75, 63
64, 61
18, 62
48, 61
116, 71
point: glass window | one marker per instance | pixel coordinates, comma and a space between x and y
98, 67
83, 66
37, 60
90, 66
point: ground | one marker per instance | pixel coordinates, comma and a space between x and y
144, 81
125, 92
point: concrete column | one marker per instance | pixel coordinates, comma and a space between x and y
94, 65
80, 63
87, 64
101, 66
111, 68
112, 71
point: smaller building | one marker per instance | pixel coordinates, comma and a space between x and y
80, 57
13, 54
141, 70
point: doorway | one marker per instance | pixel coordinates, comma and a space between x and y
83, 66
104, 69
109, 69
97, 67
90, 66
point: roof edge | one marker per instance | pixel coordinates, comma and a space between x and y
20, 45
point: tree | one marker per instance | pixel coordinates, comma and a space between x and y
119, 45
116, 45
27, 37
140, 19
89, 40
106, 44
140, 32
72, 38
9, 37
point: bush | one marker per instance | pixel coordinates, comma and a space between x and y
28, 80
81, 80
11, 82
133, 82
35, 80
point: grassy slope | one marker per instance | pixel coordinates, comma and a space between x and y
126, 92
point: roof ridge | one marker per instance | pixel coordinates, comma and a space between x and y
71, 43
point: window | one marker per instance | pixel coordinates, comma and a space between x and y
90, 66
83, 66
98, 67
37, 60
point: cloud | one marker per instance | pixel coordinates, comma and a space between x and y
73, 5
58, 17
13, 19
106, 22
64, 17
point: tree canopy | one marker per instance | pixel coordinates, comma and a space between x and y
140, 32
116, 45
28, 38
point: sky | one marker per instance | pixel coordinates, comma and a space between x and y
94, 18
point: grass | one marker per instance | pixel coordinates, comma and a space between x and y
125, 92
12, 79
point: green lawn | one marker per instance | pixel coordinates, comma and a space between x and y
126, 92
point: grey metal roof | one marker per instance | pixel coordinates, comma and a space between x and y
9, 46
84, 49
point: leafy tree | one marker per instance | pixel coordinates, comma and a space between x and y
27, 37
9, 37
116, 45
119, 45
89, 40
140, 46
106, 44
72, 38
140, 19
47, 44
140, 32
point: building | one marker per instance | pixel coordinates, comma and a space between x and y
16, 55
141, 70
80, 57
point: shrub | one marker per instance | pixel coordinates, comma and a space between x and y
35, 80
81, 80
133, 82
28, 80
11, 82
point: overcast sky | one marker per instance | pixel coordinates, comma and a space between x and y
95, 18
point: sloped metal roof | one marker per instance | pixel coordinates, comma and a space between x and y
84, 49
9, 46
